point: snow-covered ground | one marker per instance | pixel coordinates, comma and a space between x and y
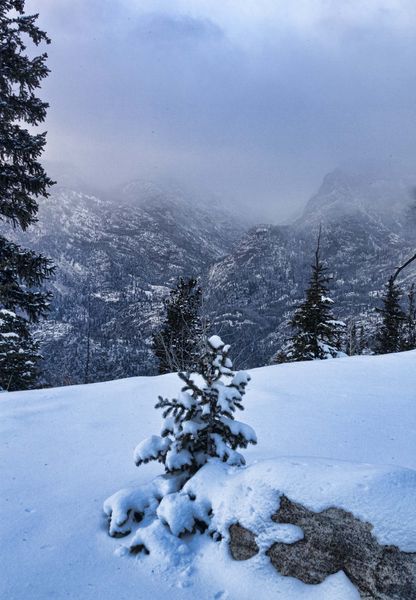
65, 450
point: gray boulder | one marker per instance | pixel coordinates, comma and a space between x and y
242, 543
334, 540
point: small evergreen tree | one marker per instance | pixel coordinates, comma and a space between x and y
200, 422
177, 345
389, 337
22, 181
317, 333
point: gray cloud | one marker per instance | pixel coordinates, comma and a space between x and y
161, 28
252, 100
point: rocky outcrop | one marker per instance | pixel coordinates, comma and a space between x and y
242, 543
334, 540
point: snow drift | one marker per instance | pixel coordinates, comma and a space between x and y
66, 449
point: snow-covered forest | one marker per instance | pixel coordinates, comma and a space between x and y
204, 393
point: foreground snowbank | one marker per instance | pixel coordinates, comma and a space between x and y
64, 450
218, 496
383, 496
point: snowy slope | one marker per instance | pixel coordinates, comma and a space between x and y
64, 450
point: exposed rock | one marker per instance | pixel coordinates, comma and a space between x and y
335, 540
242, 543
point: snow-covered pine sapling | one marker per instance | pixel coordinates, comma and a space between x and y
199, 424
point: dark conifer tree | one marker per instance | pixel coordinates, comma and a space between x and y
352, 346
390, 334
363, 344
22, 181
177, 345
409, 334
19, 353
317, 333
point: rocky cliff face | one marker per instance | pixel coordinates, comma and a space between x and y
117, 256
368, 228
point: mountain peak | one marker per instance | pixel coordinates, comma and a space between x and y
355, 192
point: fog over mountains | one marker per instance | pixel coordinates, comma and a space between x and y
117, 255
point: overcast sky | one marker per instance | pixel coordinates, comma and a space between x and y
253, 100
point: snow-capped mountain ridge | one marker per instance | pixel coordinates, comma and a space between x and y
368, 229
116, 260
378, 196
125, 250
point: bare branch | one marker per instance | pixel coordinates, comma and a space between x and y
400, 269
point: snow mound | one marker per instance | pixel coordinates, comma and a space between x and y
384, 496
130, 504
64, 450
219, 495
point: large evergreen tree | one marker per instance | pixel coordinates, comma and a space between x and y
390, 334
317, 334
395, 331
177, 345
22, 181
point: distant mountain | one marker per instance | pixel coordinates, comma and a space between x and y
116, 258
368, 228
117, 255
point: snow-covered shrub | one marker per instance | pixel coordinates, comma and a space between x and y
200, 422
198, 425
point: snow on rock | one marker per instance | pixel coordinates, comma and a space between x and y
236, 506
384, 496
